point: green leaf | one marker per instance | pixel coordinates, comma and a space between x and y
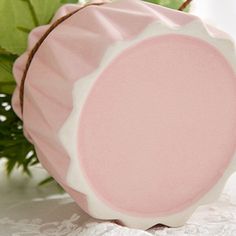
14, 15
154, 1
43, 10
7, 88
19, 17
6, 63
174, 4
46, 181
7, 82
14, 147
50, 180
69, 1
3, 52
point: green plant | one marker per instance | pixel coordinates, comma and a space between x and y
17, 19
174, 4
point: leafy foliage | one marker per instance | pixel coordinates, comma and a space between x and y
17, 19
13, 145
7, 84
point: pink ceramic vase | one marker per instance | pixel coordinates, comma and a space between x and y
132, 109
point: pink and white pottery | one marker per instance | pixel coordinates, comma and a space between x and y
132, 109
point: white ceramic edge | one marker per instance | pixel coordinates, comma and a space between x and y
68, 133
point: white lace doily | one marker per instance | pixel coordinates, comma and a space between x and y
29, 210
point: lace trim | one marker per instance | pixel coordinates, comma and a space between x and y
215, 221
36, 227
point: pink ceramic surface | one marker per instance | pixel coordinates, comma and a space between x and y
155, 125
157, 129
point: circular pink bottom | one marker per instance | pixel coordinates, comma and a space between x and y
159, 126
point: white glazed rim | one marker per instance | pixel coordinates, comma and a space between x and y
68, 133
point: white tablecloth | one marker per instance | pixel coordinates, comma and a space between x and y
29, 210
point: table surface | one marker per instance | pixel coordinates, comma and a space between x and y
29, 210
